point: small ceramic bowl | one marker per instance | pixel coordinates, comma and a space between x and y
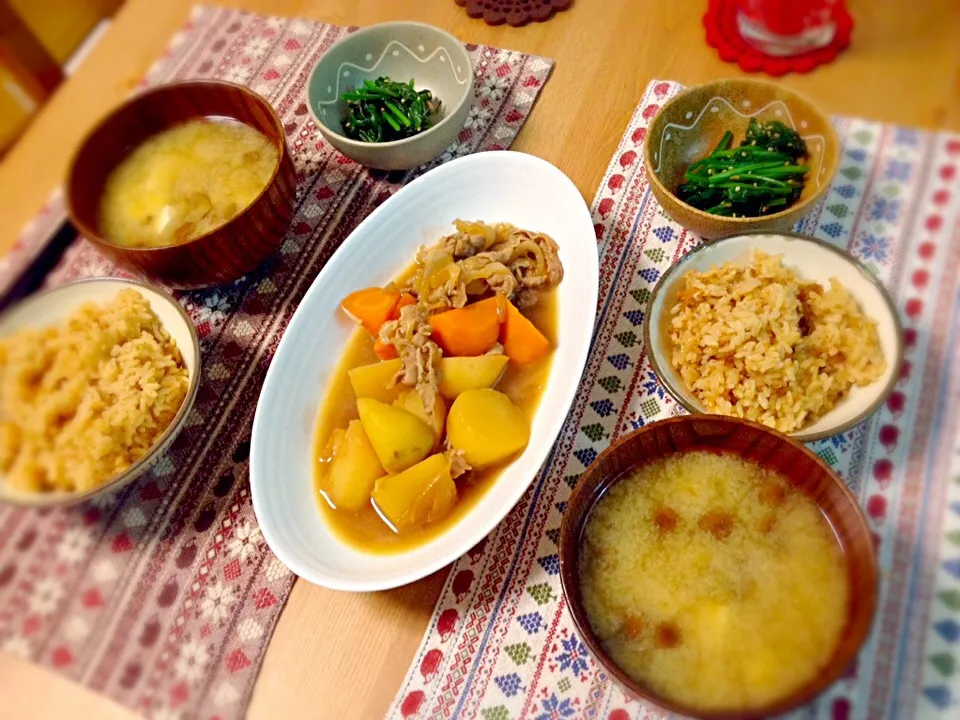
769, 449
434, 59
54, 306
691, 124
220, 256
811, 259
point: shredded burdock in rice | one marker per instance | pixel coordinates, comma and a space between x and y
754, 341
83, 400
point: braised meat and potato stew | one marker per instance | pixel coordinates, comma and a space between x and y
436, 391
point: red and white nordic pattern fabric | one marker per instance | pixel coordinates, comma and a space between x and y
501, 644
32, 240
164, 595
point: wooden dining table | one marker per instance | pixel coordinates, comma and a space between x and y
344, 655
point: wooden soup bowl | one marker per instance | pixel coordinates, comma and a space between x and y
769, 449
220, 256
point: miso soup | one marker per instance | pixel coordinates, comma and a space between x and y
714, 582
185, 182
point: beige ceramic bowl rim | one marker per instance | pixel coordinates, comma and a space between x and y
281, 146
582, 623
350, 142
682, 395
831, 138
176, 424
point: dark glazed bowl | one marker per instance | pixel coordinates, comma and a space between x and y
220, 256
769, 449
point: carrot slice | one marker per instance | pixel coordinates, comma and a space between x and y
470, 330
405, 299
521, 340
383, 350
370, 307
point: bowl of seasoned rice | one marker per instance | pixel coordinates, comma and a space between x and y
781, 329
96, 379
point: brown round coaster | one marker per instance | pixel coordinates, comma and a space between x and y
513, 12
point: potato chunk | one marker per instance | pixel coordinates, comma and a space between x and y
418, 496
376, 380
470, 373
411, 401
348, 477
487, 427
400, 438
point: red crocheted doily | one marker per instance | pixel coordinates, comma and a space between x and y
513, 12
724, 35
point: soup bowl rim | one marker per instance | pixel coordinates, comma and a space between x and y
571, 532
279, 142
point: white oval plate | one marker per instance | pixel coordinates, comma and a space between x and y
54, 306
494, 187
811, 259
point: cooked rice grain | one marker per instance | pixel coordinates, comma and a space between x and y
755, 341
82, 401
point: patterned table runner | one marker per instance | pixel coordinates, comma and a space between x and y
501, 644
164, 595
